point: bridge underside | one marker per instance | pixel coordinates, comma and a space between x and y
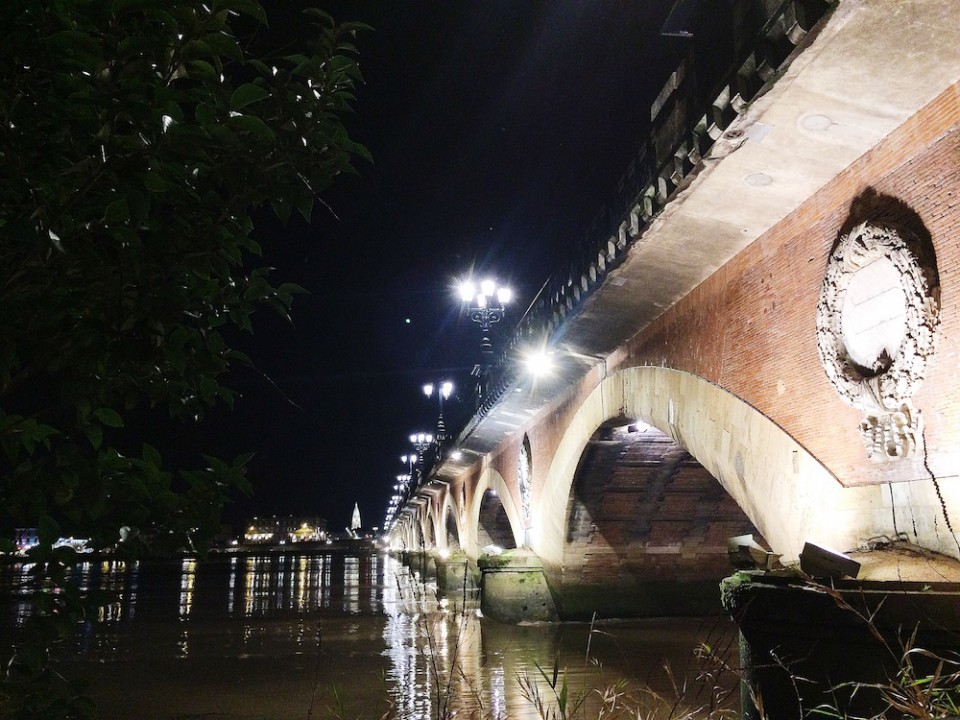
493, 526
646, 530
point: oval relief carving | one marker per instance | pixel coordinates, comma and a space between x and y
877, 323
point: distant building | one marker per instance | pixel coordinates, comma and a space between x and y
286, 529
26, 538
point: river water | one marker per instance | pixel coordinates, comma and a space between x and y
340, 634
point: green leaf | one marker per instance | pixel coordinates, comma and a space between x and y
251, 124
205, 113
305, 207
94, 435
224, 45
151, 455
155, 183
117, 212
208, 387
202, 70
48, 530
247, 94
247, 7
292, 289
108, 417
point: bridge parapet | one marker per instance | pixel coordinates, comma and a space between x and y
700, 100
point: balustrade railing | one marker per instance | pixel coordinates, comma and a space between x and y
700, 100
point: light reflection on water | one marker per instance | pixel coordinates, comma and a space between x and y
271, 634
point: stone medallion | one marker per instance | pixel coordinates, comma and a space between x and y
877, 323
524, 479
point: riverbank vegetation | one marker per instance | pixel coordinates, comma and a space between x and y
139, 137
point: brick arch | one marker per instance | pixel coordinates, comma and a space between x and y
481, 508
784, 491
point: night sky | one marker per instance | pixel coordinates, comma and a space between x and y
498, 129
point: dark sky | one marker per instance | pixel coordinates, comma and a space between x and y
498, 128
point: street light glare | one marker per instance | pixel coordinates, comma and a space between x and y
538, 363
504, 295
481, 300
428, 389
467, 291
445, 389
488, 287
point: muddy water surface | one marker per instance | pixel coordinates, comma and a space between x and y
277, 636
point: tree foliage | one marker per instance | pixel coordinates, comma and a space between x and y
136, 139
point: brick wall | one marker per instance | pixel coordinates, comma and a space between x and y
493, 526
641, 509
751, 327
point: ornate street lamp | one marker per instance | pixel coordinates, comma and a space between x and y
421, 441
443, 390
486, 305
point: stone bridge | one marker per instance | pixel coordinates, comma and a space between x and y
761, 337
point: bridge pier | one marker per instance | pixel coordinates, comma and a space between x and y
513, 588
804, 644
456, 576
420, 563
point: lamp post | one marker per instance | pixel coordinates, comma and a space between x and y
443, 390
421, 441
411, 461
486, 305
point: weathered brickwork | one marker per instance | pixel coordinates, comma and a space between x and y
751, 328
493, 526
642, 510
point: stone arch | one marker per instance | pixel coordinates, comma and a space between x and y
409, 534
787, 494
449, 525
400, 535
428, 524
492, 499
646, 529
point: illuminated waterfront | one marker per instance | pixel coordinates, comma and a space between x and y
273, 635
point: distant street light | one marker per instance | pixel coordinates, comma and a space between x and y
421, 441
443, 390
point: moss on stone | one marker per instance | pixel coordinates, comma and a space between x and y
731, 587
